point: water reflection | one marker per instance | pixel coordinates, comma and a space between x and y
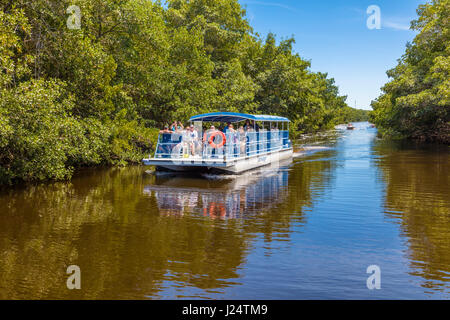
306, 229
417, 194
139, 236
222, 197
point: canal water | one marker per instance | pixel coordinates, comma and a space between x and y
304, 229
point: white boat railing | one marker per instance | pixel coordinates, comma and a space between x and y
179, 145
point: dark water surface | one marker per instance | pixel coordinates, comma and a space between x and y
307, 229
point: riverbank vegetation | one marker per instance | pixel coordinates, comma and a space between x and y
416, 102
93, 95
348, 114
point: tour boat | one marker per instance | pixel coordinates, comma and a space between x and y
350, 127
256, 141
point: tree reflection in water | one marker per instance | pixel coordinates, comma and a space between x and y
135, 236
417, 193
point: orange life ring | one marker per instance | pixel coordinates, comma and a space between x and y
217, 207
211, 140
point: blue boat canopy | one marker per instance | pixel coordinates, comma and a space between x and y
235, 117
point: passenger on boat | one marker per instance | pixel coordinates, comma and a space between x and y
208, 150
247, 125
242, 139
208, 133
232, 144
165, 130
192, 139
251, 126
229, 128
164, 147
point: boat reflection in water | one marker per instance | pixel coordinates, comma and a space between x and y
220, 196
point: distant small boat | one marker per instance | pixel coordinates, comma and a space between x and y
372, 125
350, 127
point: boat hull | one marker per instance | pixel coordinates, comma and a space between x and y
233, 165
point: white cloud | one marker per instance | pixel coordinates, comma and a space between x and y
394, 25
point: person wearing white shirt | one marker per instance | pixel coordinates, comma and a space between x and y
192, 139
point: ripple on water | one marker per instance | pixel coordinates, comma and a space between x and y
307, 229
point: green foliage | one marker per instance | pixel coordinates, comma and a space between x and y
348, 114
416, 103
40, 138
13, 61
71, 98
41, 135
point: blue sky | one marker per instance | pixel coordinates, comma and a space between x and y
333, 34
